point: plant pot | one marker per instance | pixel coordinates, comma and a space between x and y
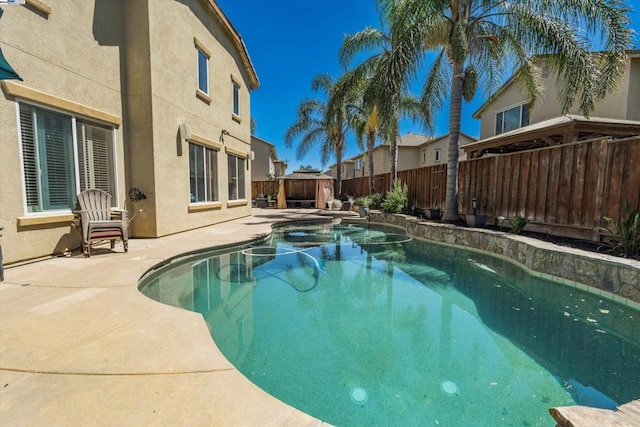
433, 213
476, 220
363, 211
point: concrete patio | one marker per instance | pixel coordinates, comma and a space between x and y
80, 345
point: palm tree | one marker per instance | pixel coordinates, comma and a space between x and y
323, 122
385, 91
363, 118
368, 127
482, 41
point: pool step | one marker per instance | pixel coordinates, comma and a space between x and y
578, 416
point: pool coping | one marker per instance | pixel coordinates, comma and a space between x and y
609, 276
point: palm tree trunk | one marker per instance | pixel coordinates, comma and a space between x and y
338, 186
370, 143
455, 113
394, 154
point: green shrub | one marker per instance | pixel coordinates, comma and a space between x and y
376, 200
518, 224
395, 200
626, 240
363, 201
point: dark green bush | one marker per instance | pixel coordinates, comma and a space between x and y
395, 201
626, 240
518, 224
375, 200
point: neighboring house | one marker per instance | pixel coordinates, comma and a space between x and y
506, 124
265, 164
152, 94
414, 151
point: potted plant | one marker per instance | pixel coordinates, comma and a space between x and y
434, 213
475, 219
363, 205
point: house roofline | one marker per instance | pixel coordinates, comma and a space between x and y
237, 40
631, 53
272, 148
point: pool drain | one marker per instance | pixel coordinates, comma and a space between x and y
359, 395
449, 387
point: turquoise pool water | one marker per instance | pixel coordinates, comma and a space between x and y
365, 326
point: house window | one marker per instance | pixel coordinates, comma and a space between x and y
436, 156
236, 101
203, 71
203, 177
59, 162
512, 118
236, 167
207, 292
424, 156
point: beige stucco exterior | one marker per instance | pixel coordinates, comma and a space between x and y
414, 151
265, 160
132, 65
624, 103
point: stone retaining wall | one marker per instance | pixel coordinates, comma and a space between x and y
618, 276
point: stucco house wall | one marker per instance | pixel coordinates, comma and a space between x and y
620, 104
132, 65
262, 164
78, 76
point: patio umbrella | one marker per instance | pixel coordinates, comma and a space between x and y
282, 198
6, 72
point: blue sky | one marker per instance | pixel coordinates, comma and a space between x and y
290, 41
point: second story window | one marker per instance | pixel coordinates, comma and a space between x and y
513, 118
236, 98
436, 156
203, 71
424, 156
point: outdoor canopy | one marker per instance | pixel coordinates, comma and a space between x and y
6, 72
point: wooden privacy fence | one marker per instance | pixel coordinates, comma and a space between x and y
264, 188
564, 190
360, 186
294, 188
427, 186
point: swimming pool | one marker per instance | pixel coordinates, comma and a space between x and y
361, 325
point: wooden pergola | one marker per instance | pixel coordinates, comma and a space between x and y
557, 131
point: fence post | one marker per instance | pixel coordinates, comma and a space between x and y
603, 154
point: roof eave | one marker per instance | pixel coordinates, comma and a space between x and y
236, 38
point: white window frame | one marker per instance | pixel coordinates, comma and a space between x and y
211, 183
202, 54
424, 156
502, 113
238, 192
235, 95
74, 120
436, 155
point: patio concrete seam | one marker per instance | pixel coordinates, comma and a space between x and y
118, 374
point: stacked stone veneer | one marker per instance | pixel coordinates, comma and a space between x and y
618, 276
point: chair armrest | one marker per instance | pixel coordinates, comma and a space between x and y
118, 213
